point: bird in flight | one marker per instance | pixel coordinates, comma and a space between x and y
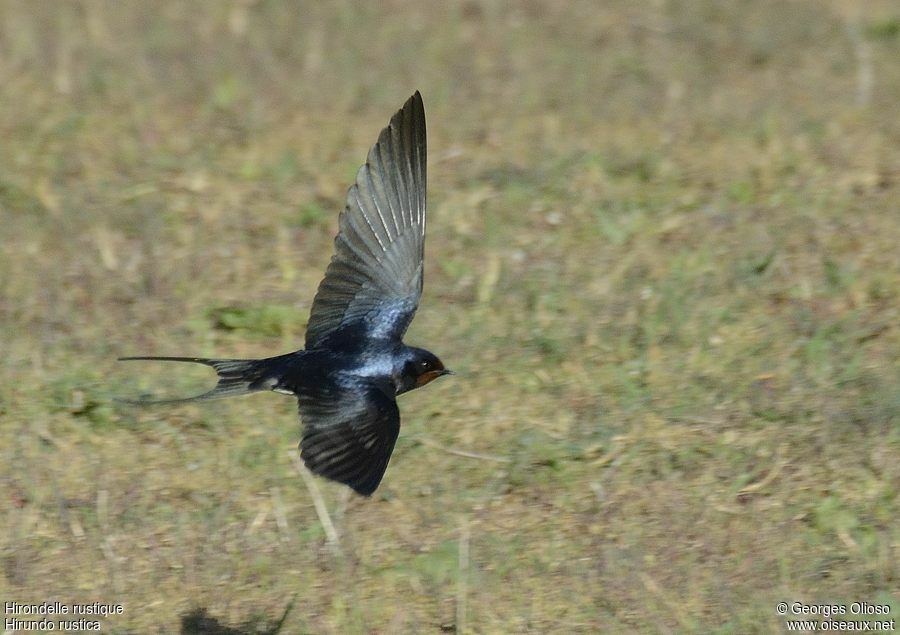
355, 363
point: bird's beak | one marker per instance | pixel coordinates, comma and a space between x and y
431, 375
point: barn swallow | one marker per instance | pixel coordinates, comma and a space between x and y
355, 363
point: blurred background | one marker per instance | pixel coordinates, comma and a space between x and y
662, 255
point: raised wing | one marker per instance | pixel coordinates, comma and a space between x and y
372, 286
349, 433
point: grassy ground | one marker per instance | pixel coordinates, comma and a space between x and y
662, 253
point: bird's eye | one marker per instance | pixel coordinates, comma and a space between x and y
424, 364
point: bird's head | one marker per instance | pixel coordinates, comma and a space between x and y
419, 368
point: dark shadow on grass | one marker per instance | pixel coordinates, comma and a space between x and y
200, 622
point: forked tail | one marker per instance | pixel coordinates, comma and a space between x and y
236, 377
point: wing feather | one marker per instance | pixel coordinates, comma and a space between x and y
349, 433
373, 284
